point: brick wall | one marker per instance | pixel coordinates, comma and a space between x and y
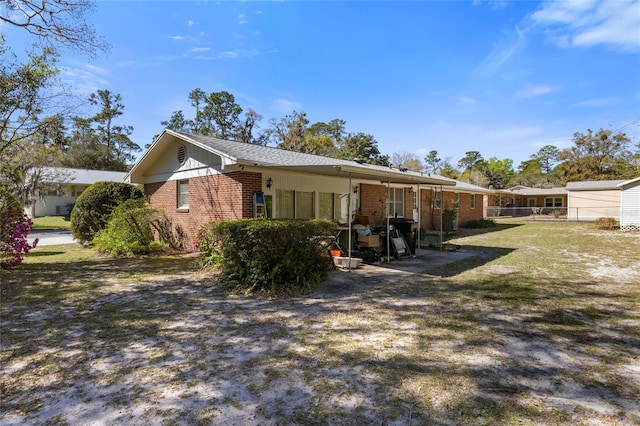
373, 199
211, 198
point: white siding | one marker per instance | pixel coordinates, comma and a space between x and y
630, 208
199, 162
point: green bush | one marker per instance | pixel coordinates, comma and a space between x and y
607, 223
93, 207
268, 255
129, 230
481, 223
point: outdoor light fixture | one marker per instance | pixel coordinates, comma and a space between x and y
355, 189
269, 183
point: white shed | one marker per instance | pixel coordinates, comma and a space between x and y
630, 205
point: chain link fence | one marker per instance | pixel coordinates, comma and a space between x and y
576, 214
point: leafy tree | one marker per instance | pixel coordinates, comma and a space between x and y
547, 156
26, 174
22, 88
529, 174
97, 142
599, 155
472, 168
221, 114
198, 99
363, 147
177, 122
324, 138
470, 160
246, 128
433, 163
499, 172
447, 169
406, 160
289, 132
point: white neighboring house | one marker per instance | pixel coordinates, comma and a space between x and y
630, 205
71, 183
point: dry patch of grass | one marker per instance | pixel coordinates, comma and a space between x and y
534, 329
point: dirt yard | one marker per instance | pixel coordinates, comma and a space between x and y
481, 341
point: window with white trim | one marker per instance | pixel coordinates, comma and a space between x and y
473, 201
183, 194
396, 202
553, 201
304, 205
332, 206
456, 200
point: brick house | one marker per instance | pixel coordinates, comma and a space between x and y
196, 179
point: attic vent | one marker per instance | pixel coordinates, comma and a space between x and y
182, 154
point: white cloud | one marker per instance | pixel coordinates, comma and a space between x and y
501, 53
199, 49
177, 37
465, 100
285, 106
533, 91
191, 23
596, 102
242, 19
86, 78
589, 23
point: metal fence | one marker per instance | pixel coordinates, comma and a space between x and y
576, 214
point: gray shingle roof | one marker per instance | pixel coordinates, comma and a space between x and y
593, 185
265, 156
80, 176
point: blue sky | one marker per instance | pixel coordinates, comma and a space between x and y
502, 78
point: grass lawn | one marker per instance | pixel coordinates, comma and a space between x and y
51, 223
541, 326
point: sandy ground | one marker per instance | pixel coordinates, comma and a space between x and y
179, 352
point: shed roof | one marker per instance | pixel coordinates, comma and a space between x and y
242, 154
525, 190
629, 183
62, 175
594, 185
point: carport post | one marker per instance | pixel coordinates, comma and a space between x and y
349, 219
387, 214
419, 221
441, 215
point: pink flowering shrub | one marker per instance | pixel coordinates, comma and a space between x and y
15, 226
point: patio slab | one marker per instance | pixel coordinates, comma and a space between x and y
342, 282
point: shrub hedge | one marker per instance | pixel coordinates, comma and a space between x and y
481, 223
129, 230
93, 207
607, 223
268, 255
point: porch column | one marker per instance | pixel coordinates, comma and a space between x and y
387, 214
441, 215
349, 220
419, 221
